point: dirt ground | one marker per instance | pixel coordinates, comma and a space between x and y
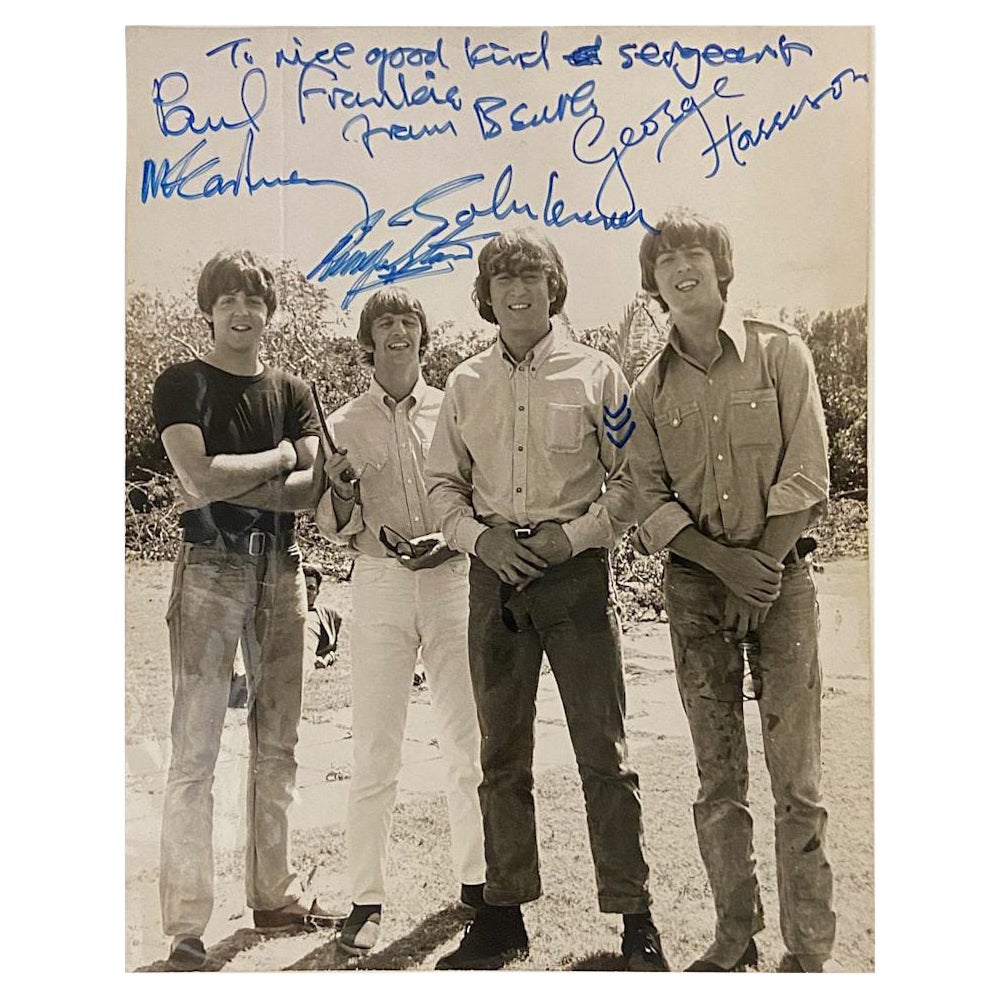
422, 920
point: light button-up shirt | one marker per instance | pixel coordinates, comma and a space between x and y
522, 442
726, 446
387, 443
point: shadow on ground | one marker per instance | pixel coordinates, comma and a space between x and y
603, 960
406, 952
225, 950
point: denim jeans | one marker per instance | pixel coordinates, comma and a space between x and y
219, 599
709, 674
569, 616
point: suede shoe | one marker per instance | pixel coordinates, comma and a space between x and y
495, 937
188, 954
750, 959
642, 947
361, 929
296, 914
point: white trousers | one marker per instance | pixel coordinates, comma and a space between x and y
396, 614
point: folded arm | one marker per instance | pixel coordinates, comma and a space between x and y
208, 478
287, 493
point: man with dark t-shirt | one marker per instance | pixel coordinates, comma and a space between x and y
242, 438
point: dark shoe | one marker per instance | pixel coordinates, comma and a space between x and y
495, 937
237, 690
642, 947
359, 933
471, 895
295, 914
750, 959
188, 954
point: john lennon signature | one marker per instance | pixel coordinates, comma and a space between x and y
446, 235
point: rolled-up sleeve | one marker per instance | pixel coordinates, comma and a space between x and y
660, 516
803, 478
610, 515
448, 476
326, 520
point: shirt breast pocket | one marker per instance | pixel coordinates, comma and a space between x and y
680, 430
564, 427
368, 459
754, 420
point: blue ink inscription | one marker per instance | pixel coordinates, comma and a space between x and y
394, 131
450, 237
677, 56
405, 56
233, 48
341, 98
615, 419
175, 118
492, 53
736, 139
168, 179
585, 55
577, 104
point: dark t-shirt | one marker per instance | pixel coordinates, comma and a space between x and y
237, 414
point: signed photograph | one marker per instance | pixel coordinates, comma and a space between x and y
496, 504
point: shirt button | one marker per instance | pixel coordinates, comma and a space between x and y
519, 490
715, 417
520, 447
721, 457
724, 495
752, 405
676, 423
711, 381
520, 409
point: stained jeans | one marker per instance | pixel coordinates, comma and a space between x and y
219, 599
568, 615
709, 674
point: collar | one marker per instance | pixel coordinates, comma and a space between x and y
536, 356
387, 404
733, 325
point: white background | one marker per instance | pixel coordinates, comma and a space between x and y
933, 454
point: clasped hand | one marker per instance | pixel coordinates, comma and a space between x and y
518, 561
753, 579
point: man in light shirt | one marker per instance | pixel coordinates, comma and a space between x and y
409, 595
521, 448
729, 460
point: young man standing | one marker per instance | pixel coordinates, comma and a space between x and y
241, 437
525, 479
729, 461
407, 597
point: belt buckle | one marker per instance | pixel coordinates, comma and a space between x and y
257, 543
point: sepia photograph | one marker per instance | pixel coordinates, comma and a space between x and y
497, 571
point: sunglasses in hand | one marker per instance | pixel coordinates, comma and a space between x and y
399, 545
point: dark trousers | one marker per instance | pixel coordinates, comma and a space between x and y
567, 615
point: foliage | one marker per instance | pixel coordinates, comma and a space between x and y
309, 337
838, 342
